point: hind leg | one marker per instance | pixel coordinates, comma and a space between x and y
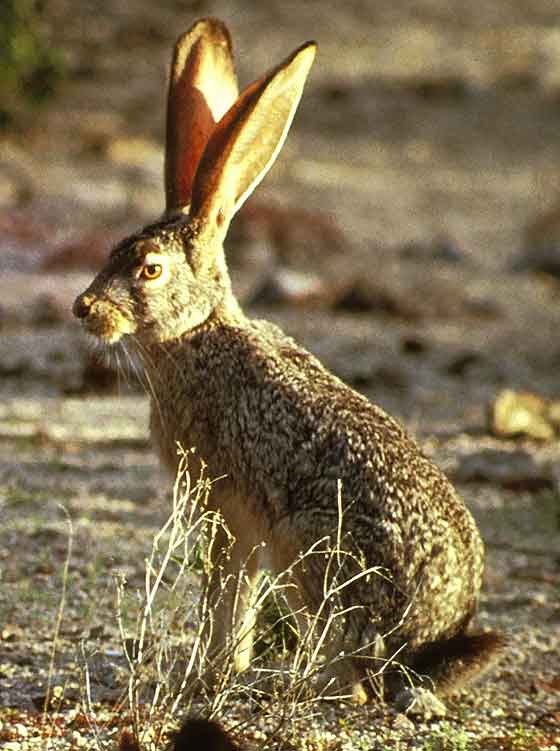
327, 623
356, 662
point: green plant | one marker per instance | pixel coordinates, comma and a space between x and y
30, 67
449, 738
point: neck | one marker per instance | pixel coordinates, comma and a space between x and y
227, 313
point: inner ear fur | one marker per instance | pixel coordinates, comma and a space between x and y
246, 141
202, 87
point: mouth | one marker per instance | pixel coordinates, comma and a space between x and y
103, 337
107, 325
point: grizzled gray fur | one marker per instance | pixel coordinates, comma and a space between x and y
287, 437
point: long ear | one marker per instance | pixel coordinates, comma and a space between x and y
202, 87
247, 140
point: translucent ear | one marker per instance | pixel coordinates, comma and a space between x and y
202, 87
247, 140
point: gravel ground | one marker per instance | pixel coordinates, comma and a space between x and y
428, 137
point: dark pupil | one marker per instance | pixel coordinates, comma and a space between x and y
152, 269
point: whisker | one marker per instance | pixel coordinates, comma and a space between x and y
123, 364
178, 369
118, 369
129, 369
140, 369
137, 368
148, 363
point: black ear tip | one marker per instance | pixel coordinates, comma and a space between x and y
209, 28
310, 45
305, 54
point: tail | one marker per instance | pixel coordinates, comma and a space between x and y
452, 664
202, 735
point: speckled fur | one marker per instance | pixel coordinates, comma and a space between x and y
284, 431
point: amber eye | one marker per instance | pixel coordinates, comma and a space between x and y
151, 271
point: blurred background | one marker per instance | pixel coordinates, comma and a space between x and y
409, 235
409, 232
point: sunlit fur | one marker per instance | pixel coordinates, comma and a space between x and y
286, 437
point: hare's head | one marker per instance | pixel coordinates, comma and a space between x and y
172, 277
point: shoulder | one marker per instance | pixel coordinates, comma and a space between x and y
260, 344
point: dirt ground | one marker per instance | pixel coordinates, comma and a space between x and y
400, 234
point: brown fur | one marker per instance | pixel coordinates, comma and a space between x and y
268, 415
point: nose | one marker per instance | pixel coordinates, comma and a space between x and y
82, 305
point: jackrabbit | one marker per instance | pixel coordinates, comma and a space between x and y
288, 437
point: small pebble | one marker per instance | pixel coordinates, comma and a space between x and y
419, 702
404, 724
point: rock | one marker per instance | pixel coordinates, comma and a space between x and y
364, 295
21, 730
138, 152
419, 702
517, 413
89, 251
28, 243
24, 240
553, 414
99, 128
11, 632
518, 80
288, 287
541, 245
16, 185
514, 470
462, 363
442, 88
545, 260
103, 671
414, 345
299, 238
439, 249
412, 291
39, 299
385, 376
50, 309
404, 724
